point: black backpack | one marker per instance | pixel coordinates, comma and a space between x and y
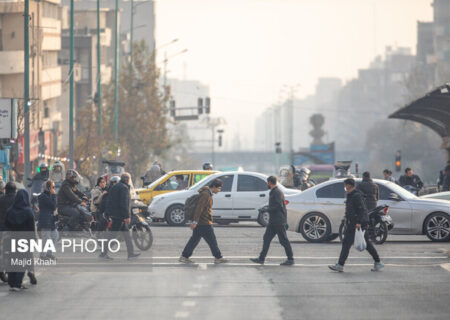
189, 207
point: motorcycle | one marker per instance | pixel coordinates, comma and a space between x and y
86, 223
379, 225
412, 189
140, 225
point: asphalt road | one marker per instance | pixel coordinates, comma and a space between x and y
415, 283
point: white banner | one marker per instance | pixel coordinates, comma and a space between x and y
5, 118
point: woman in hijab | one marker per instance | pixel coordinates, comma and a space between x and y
20, 221
46, 221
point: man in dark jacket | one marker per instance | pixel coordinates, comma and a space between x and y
370, 191
446, 179
277, 224
6, 202
356, 218
411, 179
201, 225
118, 207
69, 197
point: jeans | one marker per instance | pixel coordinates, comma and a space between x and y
118, 225
73, 214
349, 238
271, 232
48, 234
15, 279
207, 233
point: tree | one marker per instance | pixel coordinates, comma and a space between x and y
142, 125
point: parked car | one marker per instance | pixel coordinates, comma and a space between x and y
317, 212
169, 183
243, 193
440, 195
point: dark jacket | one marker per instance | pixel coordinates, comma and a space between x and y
446, 182
19, 216
69, 195
47, 207
371, 193
355, 208
203, 211
6, 202
414, 181
118, 203
277, 207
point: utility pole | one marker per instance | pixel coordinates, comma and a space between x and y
71, 156
116, 70
99, 73
131, 35
26, 91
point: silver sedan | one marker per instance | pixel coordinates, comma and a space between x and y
316, 213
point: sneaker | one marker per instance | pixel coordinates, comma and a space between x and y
185, 260
257, 260
14, 289
32, 277
220, 260
3, 277
133, 255
23, 288
337, 267
377, 266
288, 262
105, 256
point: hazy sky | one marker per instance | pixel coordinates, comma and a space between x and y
246, 50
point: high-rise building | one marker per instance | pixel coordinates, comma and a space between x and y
45, 73
85, 64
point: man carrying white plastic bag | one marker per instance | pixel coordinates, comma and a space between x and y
357, 221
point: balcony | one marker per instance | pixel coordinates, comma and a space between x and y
12, 62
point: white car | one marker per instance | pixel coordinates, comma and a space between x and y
317, 212
440, 195
243, 193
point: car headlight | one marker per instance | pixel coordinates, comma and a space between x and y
135, 210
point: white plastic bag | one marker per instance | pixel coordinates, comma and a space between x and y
360, 243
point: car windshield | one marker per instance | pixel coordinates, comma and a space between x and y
400, 191
156, 182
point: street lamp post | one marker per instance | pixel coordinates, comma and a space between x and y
26, 91
116, 71
99, 73
71, 84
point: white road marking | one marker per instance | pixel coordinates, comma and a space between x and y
181, 314
189, 303
203, 266
270, 257
446, 266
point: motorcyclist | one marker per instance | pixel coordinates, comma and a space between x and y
39, 178
303, 176
70, 198
57, 174
411, 179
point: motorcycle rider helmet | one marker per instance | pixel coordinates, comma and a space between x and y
207, 166
73, 175
115, 179
304, 174
43, 167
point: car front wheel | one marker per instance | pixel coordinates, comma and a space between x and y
315, 227
175, 215
437, 227
263, 218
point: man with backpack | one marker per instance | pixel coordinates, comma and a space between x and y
198, 209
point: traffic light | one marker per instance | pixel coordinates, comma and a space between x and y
172, 108
398, 161
207, 105
200, 105
278, 147
220, 141
96, 98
